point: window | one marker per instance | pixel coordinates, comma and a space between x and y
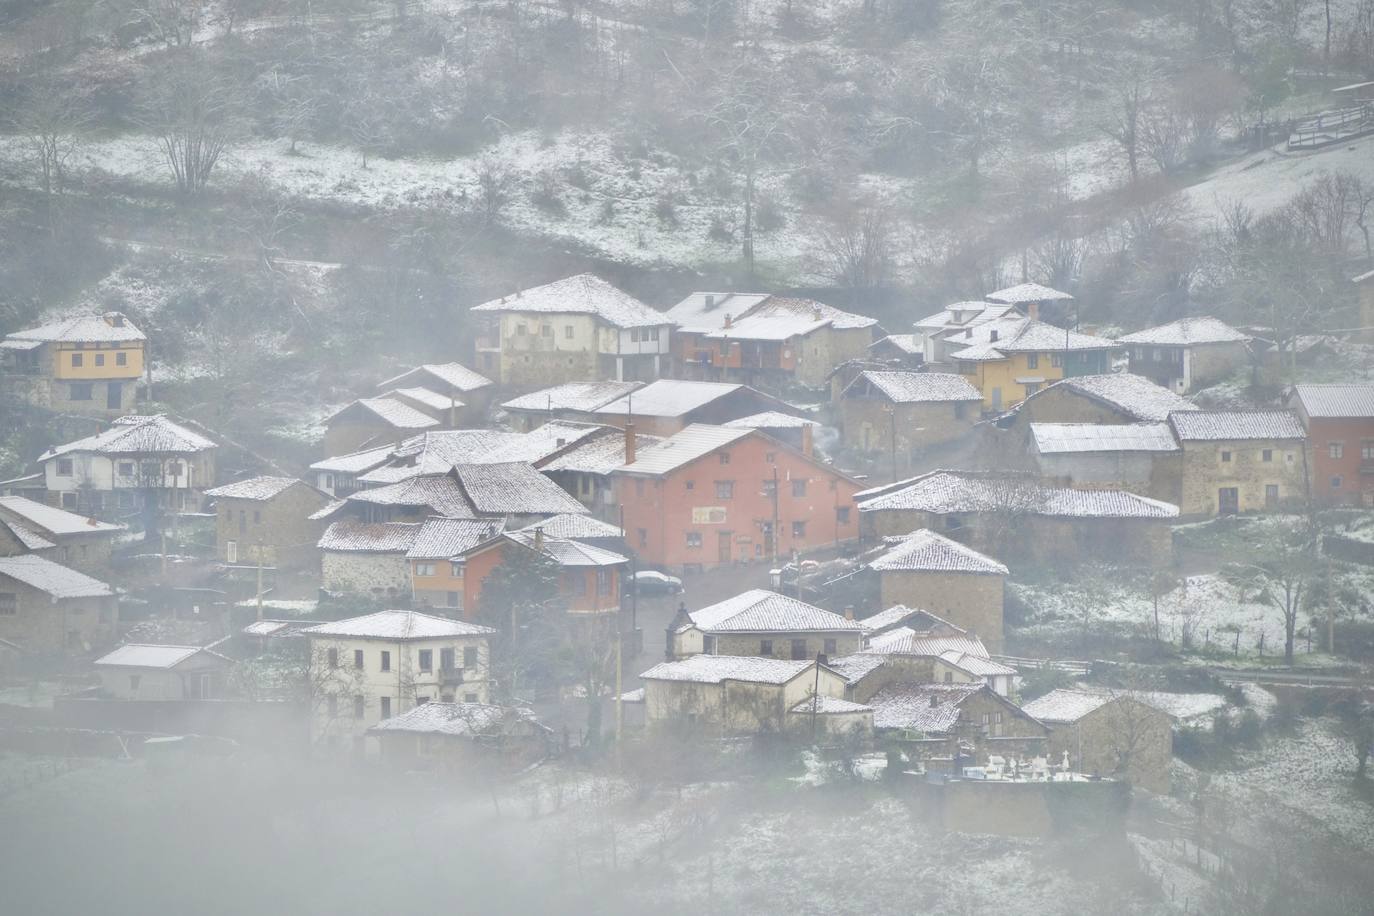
1225, 457
1032, 360
1367, 450
568, 332
358, 659
257, 517
446, 660
798, 649
121, 358
82, 392
333, 656
842, 515
724, 457
634, 335
520, 330
799, 488
126, 469
386, 707
424, 568
546, 330
64, 467
174, 468
9, 604
469, 656
1336, 482
694, 539
770, 457
76, 360
231, 552
134, 680
426, 659
643, 537
1335, 449
725, 489
691, 484
68, 500
765, 647
359, 706
653, 333
454, 600
1154, 354
1056, 361
799, 529
770, 488
469, 698
455, 570
830, 646
100, 359
1267, 455
386, 661
603, 581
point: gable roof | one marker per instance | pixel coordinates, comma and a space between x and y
1073, 438
1336, 401
924, 550
439, 492
1187, 332
674, 398
1227, 425
514, 488
52, 578
255, 488
355, 462
1065, 705
714, 669
583, 294
147, 655
398, 625
458, 720
599, 455
580, 396
762, 611
943, 492
977, 313
976, 665
52, 520
1028, 292
436, 452
810, 308
443, 538
352, 536
424, 397
682, 448
823, 705
900, 613
137, 435
918, 387
929, 708
83, 329
575, 526
28, 538
770, 419
925, 643
390, 411
1131, 394
1026, 335
774, 326
566, 551
544, 441
703, 311
453, 375
907, 343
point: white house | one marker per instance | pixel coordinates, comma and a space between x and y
154, 672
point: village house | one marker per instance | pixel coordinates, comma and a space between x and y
584, 470
713, 496
267, 521
1015, 516
514, 491
936, 719
578, 329
87, 365
138, 464
901, 413
465, 739
1241, 460
139, 671
447, 391
576, 401
73, 540
589, 578
928, 570
1187, 354
898, 351
367, 557
766, 625
437, 453
1339, 420
47, 608
731, 694
437, 568
1104, 399
1141, 457
668, 406
1008, 360
1033, 299
703, 313
921, 648
584, 528
942, 333
370, 422
364, 670
1108, 734
338, 476
795, 431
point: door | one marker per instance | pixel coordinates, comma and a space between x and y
1271, 496
723, 541
997, 399
1228, 501
114, 396
231, 552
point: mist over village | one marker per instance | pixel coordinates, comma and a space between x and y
741, 456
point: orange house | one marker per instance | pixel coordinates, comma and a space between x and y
712, 496
588, 581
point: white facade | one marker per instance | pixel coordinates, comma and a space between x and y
77, 472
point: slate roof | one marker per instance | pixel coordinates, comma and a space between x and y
856, 667
696, 441
52, 578
600, 455
976, 665
569, 552
888, 618
1027, 292
981, 312
774, 326
924, 550
52, 520
1132, 394
398, 625
137, 435
443, 538
1065, 705
1229, 425
437, 451
693, 316
929, 708
906, 641
82, 329
457, 720
762, 611
1064, 438
546, 440
454, 375
254, 488
714, 669
907, 343
440, 493
583, 294
919, 387
770, 419
943, 492
515, 488
670, 398
144, 655
28, 538
426, 397
837, 318
1027, 335
1337, 401
397, 414
575, 526
1187, 332
828, 706
583, 396
328, 509
352, 536
355, 462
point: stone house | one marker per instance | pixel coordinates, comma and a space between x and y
668, 406
267, 521
364, 670
1102, 399
513, 491
733, 695
764, 624
898, 351
367, 557
448, 391
901, 413
1035, 300
964, 587
87, 365
371, 422
578, 329
138, 671
1141, 457
338, 476
1108, 734
47, 608
1187, 354
1241, 460
464, 739
83, 543
954, 714
1339, 420
925, 650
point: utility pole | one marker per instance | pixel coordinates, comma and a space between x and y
259, 580
816, 695
775, 517
619, 713
892, 440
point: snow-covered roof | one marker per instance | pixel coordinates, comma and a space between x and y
583, 396
1336, 401
600, 455
929, 708
398, 625
924, 550
1026, 335
28, 538
943, 492
810, 308
1187, 332
457, 720
918, 387
270, 627
770, 419
84, 329
1065, 705
888, 618
972, 312
352, 536
514, 488
1027, 292
568, 552
354, 462
327, 510
426, 397
136, 435
440, 492
1132, 394
696, 441
583, 294
701, 312
1228, 425
774, 326
443, 538
713, 669
976, 665
52, 578
856, 667
546, 440
670, 398
453, 375
254, 488
575, 526
437, 451
395, 413
762, 611
145, 655
906, 641
52, 520
832, 706
1062, 438
907, 343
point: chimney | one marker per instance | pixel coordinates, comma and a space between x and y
1033, 311
806, 439
727, 319
539, 538
816, 312
710, 302
91, 522
114, 319
934, 701
849, 612
993, 338
629, 441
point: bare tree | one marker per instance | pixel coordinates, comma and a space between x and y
857, 249
174, 21
193, 114
53, 120
1281, 570
1131, 84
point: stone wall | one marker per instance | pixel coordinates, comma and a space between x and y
1124, 739
277, 531
1215, 362
368, 573
1205, 472
973, 601
42, 625
867, 425
751, 644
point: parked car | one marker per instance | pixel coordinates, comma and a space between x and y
652, 582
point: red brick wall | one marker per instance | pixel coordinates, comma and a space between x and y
1350, 433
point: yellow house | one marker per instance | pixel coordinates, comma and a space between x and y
89, 364
1011, 359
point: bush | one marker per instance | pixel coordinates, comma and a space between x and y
719, 232
545, 195
665, 208
769, 216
